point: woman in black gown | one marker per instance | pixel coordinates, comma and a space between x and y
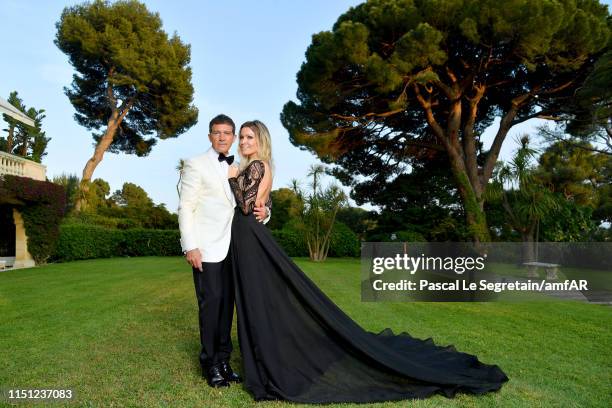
297, 345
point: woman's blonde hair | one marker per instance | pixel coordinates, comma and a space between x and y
264, 142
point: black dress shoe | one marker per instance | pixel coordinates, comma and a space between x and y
214, 378
228, 373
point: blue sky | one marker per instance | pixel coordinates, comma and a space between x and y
245, 55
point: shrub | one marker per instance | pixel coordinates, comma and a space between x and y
81, 241
150, 242
86, 242
42, 211
344, 242
89, 242
291, 240
92, 219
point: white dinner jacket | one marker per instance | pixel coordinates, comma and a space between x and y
206, 207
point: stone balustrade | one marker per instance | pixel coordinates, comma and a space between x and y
18, 166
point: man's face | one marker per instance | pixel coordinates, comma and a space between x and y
222, 138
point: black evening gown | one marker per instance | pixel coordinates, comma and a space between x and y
297, 345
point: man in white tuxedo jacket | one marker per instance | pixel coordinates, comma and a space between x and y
206, 210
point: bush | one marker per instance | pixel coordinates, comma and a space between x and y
409, 236
81, 241
344, 242
86, 242
42, 211
89, 242
150, 242
91, 219
291, 240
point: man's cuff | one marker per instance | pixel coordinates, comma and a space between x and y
268, 217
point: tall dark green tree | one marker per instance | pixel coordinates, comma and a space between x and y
424, 201
591, 119
582, 176
8, 143
133, 204
70, 182
396, 77
287, 206
23, 140
132, 83
31, 141
358, 220
133, 196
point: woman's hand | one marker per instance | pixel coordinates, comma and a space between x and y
260, 210
233, 171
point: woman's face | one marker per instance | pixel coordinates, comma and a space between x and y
248, 142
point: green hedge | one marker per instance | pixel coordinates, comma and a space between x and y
80, 241
88, 242
150, 242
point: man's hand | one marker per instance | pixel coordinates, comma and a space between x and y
194, 258
260, 211
233, 171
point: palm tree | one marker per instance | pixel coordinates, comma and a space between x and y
319, 213
527, 201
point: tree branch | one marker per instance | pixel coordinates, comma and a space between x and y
367, 115
557, 89
125, 107
431, 120
469, 141
516, 224
109, 91
504, 127
538, 115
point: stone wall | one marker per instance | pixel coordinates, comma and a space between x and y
23, 259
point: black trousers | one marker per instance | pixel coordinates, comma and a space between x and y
214, 289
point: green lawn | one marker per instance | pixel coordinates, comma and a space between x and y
123, 332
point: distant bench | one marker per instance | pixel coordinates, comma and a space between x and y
550, 268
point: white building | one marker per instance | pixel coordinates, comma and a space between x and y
13, 239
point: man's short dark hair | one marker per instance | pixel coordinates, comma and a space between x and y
221, 120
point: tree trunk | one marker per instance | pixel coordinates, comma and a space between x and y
24, 146
473, 204
10, 138
528, 252
470, 188
93, 162
528, 246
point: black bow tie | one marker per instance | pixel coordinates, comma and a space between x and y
228, 159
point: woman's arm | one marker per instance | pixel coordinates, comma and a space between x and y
265, 187
246, 186
238, 193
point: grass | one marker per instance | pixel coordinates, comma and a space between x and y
123, 332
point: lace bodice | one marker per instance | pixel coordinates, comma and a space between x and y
246, 184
